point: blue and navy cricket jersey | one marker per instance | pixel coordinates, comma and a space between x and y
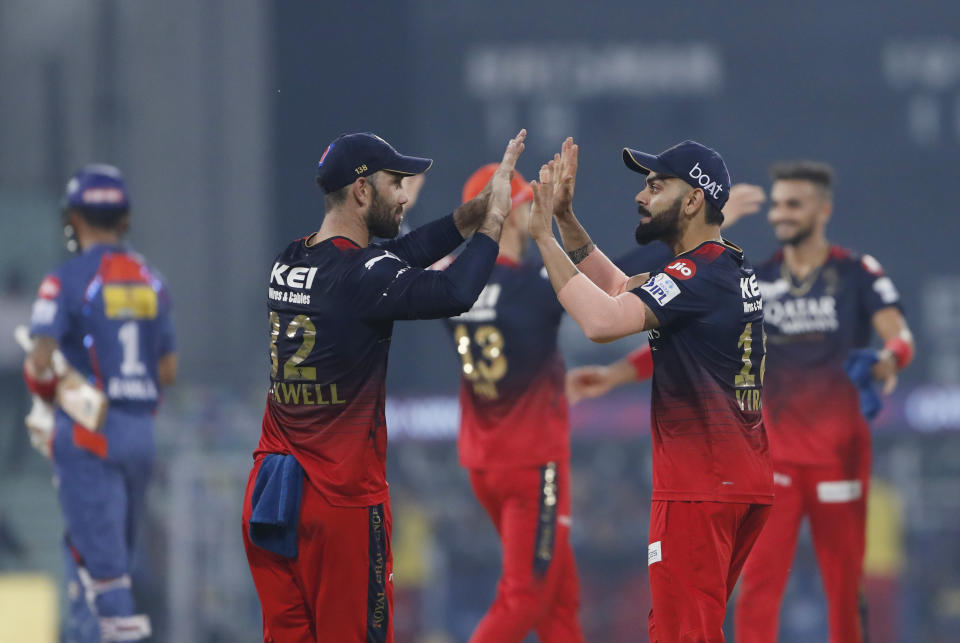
709, 442
110, 316
331, 308
512, 400
812, 409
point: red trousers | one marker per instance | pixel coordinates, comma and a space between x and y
835, 500
340, 585
696, 552
538, 589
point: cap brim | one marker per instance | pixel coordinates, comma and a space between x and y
408, 165
644, 163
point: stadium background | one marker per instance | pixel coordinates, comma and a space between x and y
218, 110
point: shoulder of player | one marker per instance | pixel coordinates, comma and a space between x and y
710, 261
851, 259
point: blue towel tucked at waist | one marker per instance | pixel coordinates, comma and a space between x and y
859, 367
275, 505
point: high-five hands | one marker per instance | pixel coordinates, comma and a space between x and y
499, 186
566, 178
541, 212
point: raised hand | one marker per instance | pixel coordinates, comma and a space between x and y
499, 185
541, 212
566, 178
495, 197
745, 199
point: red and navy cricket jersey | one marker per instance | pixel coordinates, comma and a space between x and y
709, 442
110, 316
331, 308
513, 406
811, 408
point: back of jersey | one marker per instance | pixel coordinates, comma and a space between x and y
110, 316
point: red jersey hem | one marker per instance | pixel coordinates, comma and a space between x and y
687, 496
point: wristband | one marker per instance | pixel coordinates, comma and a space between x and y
43, 385
642, 361
902, 351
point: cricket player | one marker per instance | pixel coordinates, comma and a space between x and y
108, 314
316, 516
821, 302
515, 434
712, 480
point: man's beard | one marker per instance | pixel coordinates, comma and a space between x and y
663, 227
801, 235
382, 220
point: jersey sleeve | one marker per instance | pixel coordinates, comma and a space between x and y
50, 315
678, 292
875, 289
385, 286
427, 244
166, 335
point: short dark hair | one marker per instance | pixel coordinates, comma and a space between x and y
103, 219
333, 199
820, 174
713, 215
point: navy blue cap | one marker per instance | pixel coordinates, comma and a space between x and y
97, 188
696, 164
351, 156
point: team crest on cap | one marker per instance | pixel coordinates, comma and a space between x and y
325, 152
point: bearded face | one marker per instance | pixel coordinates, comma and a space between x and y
383, 218
664, 226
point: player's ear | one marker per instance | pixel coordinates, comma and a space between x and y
693, 202
360, 189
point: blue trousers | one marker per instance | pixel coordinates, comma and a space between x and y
101, 483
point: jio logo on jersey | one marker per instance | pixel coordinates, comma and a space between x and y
681, 269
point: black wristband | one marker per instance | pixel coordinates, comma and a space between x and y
578, 255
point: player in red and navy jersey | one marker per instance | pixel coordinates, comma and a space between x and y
821, 302
108, 314
316, 515
712, 480
596, 380
515, 435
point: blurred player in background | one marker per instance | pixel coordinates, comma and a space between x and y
316, 515
109, 316
712, 481
515, 434
821, 302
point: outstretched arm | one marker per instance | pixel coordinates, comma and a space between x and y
594, 381
602, 317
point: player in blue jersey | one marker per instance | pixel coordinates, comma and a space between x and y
712, 478
316, 515
108, 314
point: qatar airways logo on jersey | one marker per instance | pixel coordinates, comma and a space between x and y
295, 278
801, 315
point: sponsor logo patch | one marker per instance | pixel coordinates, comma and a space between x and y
839, 491
662, 288
871, 265
49, 288
681, 269
654, 553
